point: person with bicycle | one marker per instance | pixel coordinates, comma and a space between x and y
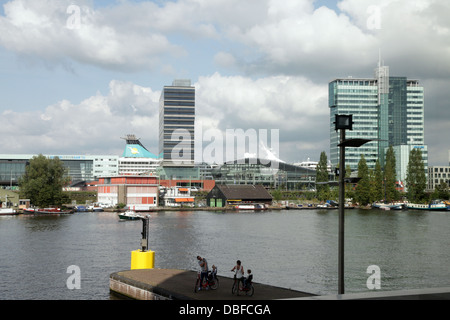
204, 270
238, 271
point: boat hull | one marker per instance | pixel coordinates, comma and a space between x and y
129, 216
428, 207
8, 212
47, 211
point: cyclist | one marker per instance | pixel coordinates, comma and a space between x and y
248, 280
204, 270
213, 272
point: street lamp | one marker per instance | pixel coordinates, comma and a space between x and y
342, 123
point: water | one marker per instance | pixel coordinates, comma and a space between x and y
288, 248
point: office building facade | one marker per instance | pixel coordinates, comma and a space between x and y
388, 110
78, 167
438, 175
176, 124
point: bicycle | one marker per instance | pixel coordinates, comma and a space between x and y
211, 282
238, 286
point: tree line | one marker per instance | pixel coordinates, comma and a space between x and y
380, 183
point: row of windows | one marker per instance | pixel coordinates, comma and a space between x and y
180, 103
179, 112
447, 169
189, 122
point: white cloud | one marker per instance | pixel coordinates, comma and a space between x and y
282, 52
95, 125
294, 105
48, 30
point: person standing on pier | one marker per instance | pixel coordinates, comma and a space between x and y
239, 271
204, 269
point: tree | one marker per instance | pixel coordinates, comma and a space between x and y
43, 181
378, 190
390, 176
416, 181
348, 186
441, 192
323, 190
363, 190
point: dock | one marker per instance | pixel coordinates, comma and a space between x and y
174, 284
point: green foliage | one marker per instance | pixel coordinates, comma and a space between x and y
378, 187
390, 176
416, 181
441, 192
43, 181
323, 190
363, 192
277, 195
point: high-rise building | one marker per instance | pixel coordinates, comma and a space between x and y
176, 124
386, 109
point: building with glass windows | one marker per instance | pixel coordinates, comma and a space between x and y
386, 109
259, 172
438, 175
78, 167
176, 123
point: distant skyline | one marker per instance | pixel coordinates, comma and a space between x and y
78, 75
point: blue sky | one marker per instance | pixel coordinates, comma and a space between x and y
76, 86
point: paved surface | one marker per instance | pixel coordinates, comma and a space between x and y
179, 285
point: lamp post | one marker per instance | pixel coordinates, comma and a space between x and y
342, 123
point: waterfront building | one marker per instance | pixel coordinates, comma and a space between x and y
438, 175
222, 195
138, 193
78, 167
176, 124
176, 197
270, 175
386, 109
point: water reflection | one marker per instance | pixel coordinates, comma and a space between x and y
411, 249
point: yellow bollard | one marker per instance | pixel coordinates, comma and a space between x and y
142, 259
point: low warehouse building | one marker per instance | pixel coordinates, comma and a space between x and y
223, 195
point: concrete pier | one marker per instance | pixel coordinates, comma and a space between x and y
173, 284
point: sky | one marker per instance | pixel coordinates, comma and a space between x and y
76, 76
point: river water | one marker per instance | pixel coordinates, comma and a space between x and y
295, 249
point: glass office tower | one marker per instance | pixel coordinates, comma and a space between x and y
176, 124
387, 109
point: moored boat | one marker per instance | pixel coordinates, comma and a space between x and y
81, 208
251, 206
387, 206
7, 212
5, 208
435, 205
129, 215
46, 211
